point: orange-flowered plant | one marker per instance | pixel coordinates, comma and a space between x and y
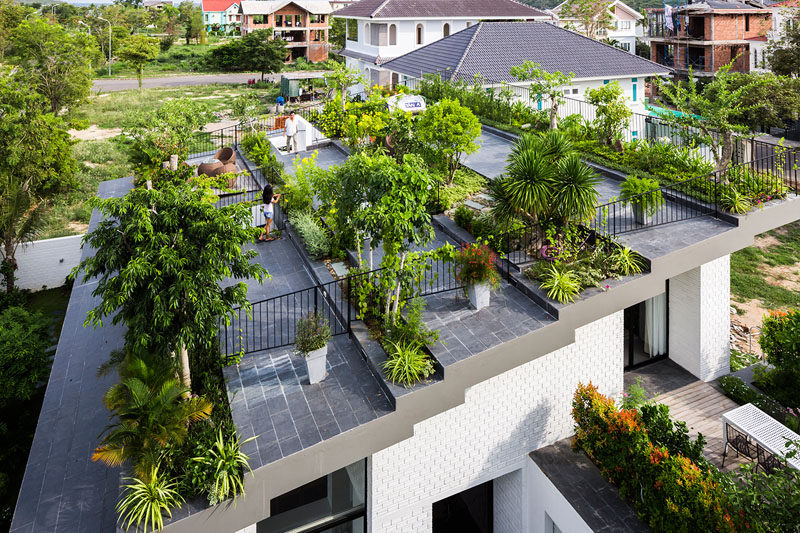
475, 263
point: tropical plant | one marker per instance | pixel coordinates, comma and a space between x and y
226, 462
312, 333
165, 131
561, 284
643, 193
475, 264
151, 413
626, 261
314, 236
573, 193
407, 364
144, 501
544, 83
24, 341
733, 201
448, 131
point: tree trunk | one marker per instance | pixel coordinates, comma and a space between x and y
396, 302
186, 377
139, 70
553, 113
344, 98
9, 265
724, 158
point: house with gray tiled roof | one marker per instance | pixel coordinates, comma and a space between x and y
624, 26
380, 30
489, 50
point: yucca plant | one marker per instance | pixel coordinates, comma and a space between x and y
151, 411
561, 285
407, 364
574, 195
526, 186
144, 502
225, 462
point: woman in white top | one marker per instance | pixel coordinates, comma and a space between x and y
268, 200
290, 128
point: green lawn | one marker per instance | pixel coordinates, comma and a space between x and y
751, 266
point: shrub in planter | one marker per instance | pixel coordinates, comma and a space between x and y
643, 195
780, 340
733, 201
561, 284
314, 236
476, 271
738, 391
311, 341
407, 363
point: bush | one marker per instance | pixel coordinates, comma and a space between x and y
144, 501
475, 265
738, 391
674, 436
464, 216
407, 364
314, 236
313, 333
412, 330
260, 151
769, 502
223, 463
298, 193
634, 191
562, 285
24, 340
780, 341
668, 490
166, 43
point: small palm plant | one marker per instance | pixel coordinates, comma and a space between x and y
225, 462
407, 363
144, 501
148, 402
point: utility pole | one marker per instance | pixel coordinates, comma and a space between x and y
109, 45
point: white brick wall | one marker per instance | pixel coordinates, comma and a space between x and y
508, 503
699, 319
47, 263
500, 422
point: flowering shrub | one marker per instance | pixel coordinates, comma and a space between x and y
475, 264
670, 492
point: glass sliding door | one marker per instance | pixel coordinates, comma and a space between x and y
647, 331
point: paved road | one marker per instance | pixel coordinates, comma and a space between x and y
177, 81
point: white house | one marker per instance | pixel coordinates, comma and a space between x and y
783, 13
222, 15
625, 19
490, 49
380, 30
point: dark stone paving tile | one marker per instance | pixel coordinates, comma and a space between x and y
290, 446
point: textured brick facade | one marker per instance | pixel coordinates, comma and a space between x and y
508, 502
490, 434
699, 325
310, 37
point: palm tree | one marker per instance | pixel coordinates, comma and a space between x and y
574, 194
151, 414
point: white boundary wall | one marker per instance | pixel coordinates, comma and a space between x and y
47, 263
491, 433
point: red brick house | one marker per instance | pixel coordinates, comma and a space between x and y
705, 36
303, 24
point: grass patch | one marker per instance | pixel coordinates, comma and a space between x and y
465, 183
748, 281
181, 58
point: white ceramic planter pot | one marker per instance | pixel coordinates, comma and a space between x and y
315, 364
479, 295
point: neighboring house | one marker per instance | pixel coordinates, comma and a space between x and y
705, 36
625, 25
339, 4
222, 15
380, 30
156, 5
490, 49
783, 14
303, 24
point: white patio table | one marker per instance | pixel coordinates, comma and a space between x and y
762, 428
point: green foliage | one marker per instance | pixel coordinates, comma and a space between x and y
674, 436
475, 264
784, 51
144, 501
635, 396
312, 333
465, 183
314, 236
626, 261
256, 51
168, 130
544, 83
298, 193
407, 364
738, 391
224, 463
780, 341
448, 131
54, 62
260, 151
740, 360
769, 501
245, 108
668, 490
24, 341
151, 413
342, 77
412, 330
612, 112
561, 285
643, 193
464, 216
592, 17
331, 120
733, 201
138, 51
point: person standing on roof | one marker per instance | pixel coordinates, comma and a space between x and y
290, 128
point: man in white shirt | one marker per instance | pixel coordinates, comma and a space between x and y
290, 128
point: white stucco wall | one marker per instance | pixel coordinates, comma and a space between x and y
699, 319
47, 263
548, 501
491, 433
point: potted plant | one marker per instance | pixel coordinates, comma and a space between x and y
476, 271
311, 340
644, 197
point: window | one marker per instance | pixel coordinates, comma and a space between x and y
575, 91
446, 30
263, 19
755, 58
366, 34
566, 92
549, 525
351, 29
469, 24
393, 34
317, 19
278, 20
419, 34
747, 23
298, 21
625, 46
623, 24
379, 34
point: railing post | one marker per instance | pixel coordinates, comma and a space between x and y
716, 194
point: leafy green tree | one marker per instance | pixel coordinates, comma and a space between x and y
770, 102
168, 130
591, 17
11, 14
191, 16
716, 111
24, 340
54, 62
245, 108
262, 53
342, 78
150, 413
37, 165
546, 84
161, 257
336, 35
138, 51
612, 112
783, 53
448, 131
